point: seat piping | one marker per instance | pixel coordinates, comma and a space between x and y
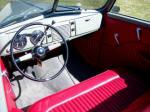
84, 92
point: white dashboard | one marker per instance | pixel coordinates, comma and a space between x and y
70, 26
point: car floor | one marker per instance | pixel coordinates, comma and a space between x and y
28, 91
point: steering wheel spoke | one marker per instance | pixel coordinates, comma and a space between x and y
25, 57
54, 46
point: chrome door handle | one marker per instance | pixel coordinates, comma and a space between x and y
138, 33
116, 35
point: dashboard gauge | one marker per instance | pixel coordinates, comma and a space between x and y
20, 42
36, 36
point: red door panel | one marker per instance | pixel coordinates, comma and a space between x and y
123, 47
9, 94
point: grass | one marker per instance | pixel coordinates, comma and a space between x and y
88, 4
135, 8
3, 3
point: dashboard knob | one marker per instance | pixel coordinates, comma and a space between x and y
53, 22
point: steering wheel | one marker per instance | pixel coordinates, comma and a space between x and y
38, 51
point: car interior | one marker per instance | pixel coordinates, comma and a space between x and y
75, 60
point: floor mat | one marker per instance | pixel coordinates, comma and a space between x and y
31, 91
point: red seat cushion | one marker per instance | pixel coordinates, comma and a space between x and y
106, 92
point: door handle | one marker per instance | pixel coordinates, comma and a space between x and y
138, 33
116, 35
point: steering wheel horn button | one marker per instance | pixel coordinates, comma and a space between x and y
39, 51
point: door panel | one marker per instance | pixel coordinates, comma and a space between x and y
8, 92
123, 46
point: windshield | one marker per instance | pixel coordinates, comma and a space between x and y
85, 4
14, 11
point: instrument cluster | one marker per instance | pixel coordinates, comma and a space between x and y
35, 37
20, 42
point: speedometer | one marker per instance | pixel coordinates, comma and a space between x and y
36, 36
20, 42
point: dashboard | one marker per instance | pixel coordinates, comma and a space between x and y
71, 26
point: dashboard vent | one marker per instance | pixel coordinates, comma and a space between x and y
65, 30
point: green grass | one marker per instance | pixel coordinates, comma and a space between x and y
135, 8
3, 3
88, 4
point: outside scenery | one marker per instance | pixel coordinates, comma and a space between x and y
135, 8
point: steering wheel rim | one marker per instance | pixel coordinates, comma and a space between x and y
18, 68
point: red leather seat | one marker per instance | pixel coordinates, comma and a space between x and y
110, 91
